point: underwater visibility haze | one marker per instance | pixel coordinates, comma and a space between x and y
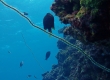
55, 40
12, 47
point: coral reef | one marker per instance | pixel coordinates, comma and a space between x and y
89, 19
89, 30
72, 65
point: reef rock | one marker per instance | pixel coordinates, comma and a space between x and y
89, 32
89, 19
73, 65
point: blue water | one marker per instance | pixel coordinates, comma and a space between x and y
11, 27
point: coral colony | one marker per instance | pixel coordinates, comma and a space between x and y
88, 34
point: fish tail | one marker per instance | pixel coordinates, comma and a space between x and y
53, 28
50, 30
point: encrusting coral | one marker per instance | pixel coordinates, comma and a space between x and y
88, 22
91, 18
74, 66
90, 30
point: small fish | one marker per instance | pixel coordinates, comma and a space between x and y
9, 52
48, 22
21, 63
47, 55
35, 77
29, 76
25, 13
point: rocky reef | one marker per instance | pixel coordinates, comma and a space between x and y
89, 19
89, 30
72, 65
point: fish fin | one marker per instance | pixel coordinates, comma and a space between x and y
50, 35
53, 28
50, 32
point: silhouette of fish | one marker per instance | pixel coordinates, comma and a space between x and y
48, 22
25, 13
21, 63
35, 77
29, 76
9, 52
47, 55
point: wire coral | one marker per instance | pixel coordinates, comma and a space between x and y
32, 52
63, 40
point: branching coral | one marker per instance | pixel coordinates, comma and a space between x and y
65, 7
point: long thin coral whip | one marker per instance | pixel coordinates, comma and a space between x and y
32, 53
63, 40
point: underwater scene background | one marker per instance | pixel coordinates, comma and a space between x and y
12, 47
77, 49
